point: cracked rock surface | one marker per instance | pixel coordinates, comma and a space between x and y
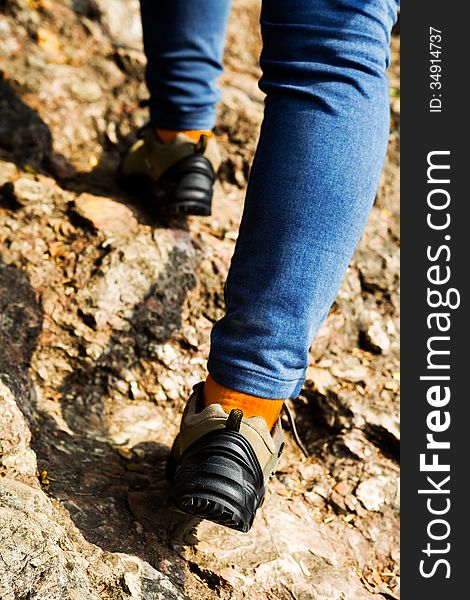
105, 317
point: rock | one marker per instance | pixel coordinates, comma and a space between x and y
375, 339
143, 582
350, 368
8, 170
84, 90
17, 460
31, 543
8, 43
357, 444
42, 560
43, 554
29, 190
170, 386
376, 491
322, 379
103, 214
167, 355
142, 280
122, 19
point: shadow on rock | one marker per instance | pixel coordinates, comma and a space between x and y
114, 493
89, 499
107, 482
107, 485
21, 319
24, 137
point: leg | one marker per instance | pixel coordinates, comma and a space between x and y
174, 162
184, 43
313, 181
314, 178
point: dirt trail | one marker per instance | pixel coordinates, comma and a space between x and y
105, 317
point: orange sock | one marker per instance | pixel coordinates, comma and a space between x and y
252, 406
168, 135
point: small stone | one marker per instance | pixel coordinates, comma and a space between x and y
94, 351
314, 499
169, 386
29, 191
191, 336
136, 392
343, 488
8, 170
373, 492
351, 369
8, 43
112, 133
376, 338
85, 90
122, 20
322, 379
311, 472
357, 444
337, 502
103, 214
167, 355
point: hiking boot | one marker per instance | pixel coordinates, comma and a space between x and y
177, 177
220, 463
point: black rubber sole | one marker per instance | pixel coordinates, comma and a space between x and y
218, 478
185, 189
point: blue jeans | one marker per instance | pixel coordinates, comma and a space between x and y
314, 175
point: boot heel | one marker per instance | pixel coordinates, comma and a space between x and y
193, 192
219, 478
185, 189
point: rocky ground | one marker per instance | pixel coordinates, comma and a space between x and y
105, 314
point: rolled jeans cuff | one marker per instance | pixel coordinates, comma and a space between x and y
253, 382
182, 121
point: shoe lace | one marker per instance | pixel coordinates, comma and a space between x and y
201, 145
291, 419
